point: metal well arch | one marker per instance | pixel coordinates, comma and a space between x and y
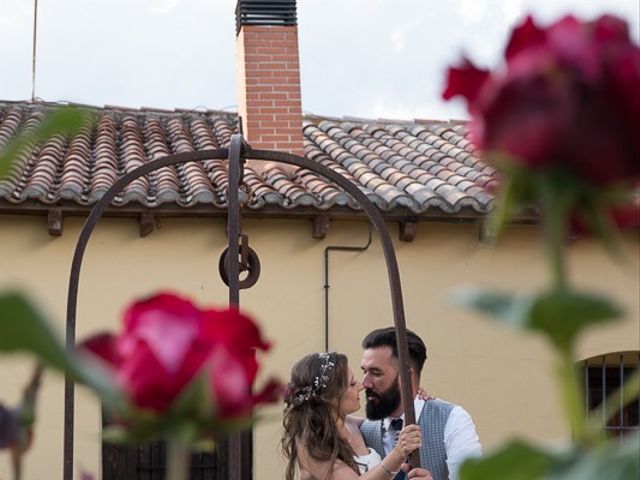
236, 154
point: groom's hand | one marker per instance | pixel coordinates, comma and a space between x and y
417, 473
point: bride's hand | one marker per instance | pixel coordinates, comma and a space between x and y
424, 395
409, 440
417, 473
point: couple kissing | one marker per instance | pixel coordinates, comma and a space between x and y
322, 440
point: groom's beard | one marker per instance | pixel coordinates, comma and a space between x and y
382, 405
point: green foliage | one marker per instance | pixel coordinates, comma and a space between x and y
24, 329
519, 460
559, 315
609, 461
515, 461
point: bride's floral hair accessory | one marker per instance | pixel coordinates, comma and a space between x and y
299, 396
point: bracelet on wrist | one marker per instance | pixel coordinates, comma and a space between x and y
389, 472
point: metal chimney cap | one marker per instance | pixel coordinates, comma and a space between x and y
265, 12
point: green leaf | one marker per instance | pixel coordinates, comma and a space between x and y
515, 461
64, 121
115, 434
559, 315
519, 460
611, 461
563, 315
24, 329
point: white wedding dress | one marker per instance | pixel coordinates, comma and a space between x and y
368, 461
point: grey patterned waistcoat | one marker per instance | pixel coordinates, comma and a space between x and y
432, 422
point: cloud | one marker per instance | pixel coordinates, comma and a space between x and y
471, 11
397, 40
160, 7
15, 17
512, 11
396, 110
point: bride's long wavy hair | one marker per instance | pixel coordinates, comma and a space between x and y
310, 413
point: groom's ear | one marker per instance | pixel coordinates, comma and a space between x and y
415, 379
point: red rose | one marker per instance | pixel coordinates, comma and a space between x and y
568, 97
167, 340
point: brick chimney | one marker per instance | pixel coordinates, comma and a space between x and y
269, 74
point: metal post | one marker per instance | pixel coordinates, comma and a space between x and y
234, 457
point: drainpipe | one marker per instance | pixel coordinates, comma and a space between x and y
336, 248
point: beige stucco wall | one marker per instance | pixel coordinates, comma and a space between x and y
502, 377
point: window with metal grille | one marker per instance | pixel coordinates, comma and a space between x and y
148, 462
604, 375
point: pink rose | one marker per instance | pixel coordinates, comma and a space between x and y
167, 341
568, 97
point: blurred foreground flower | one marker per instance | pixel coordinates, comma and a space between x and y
167, 342
176, 372
568, 96
561, 121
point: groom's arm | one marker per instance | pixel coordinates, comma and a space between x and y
460, 440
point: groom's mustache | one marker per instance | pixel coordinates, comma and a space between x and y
371, 394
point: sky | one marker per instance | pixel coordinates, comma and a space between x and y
359, 58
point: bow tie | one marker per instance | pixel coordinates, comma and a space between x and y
396, 425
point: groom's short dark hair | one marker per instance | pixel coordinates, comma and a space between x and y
386, 337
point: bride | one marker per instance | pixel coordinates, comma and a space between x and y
321, 440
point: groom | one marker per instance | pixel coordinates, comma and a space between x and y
448, 432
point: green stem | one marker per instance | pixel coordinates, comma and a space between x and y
572, 396
178, 460
554, 211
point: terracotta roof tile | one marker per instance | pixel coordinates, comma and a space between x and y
407, 166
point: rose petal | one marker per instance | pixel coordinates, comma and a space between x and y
570, 42
626, 218
102, 345
525, 36
232, 328
528, 118
238, 333
610, 29
272, 391
466, 80
146, 381
230, 389
167, 323
168, 303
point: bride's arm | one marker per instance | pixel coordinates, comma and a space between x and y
324, 469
